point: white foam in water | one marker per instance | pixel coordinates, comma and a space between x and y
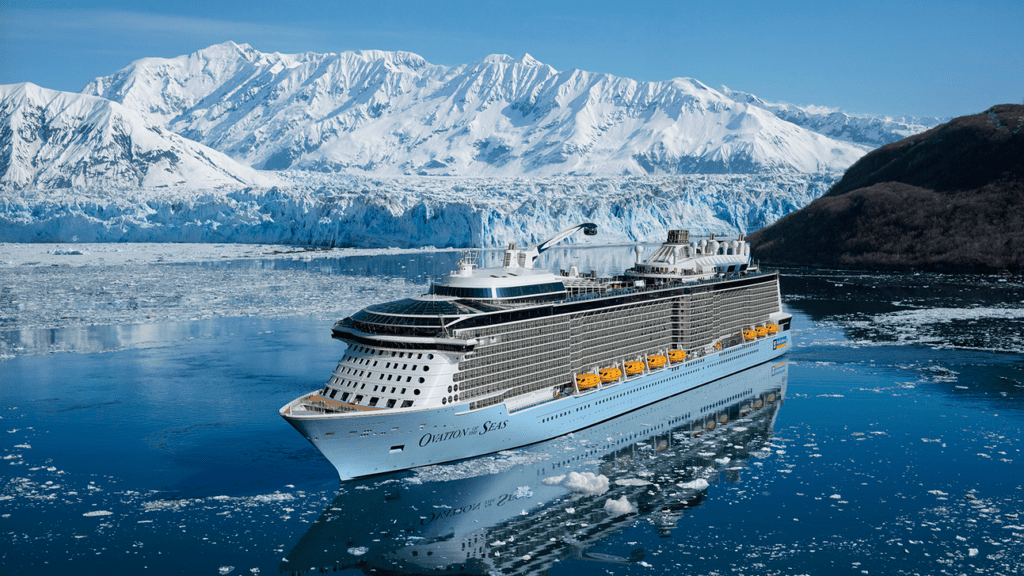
495, 464
358, 551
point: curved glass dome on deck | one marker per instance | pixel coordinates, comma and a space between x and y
411, 316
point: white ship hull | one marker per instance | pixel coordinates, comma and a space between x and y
375, 442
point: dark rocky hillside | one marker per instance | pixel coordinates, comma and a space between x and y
949, 199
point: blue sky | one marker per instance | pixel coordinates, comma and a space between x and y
933, 58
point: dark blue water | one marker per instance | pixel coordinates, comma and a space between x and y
894, 448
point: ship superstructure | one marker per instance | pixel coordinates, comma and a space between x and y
495, 358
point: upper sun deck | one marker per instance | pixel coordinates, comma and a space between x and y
472, 295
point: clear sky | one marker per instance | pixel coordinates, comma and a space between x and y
891, 57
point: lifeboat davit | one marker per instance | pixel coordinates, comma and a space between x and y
761, 331
585, 381
609, 374
676, 356
772, 328
656, 361
634, 367
749, 334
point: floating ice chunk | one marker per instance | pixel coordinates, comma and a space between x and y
937, 493
587, 482
706, 454
620, 506
723, 460
553, 480
632, 482
836, 497
225, 570
98, 513
497, 543
26, 446
358, 550
522, 492
698, 484
972, 552
570, 510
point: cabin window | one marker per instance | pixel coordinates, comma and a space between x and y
407, 404
403, 390
334, 393
359, 398
345, 396
373, 401
391, 403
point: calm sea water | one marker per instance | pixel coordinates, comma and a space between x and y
151, 444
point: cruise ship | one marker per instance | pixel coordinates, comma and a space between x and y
509, 513
492, 359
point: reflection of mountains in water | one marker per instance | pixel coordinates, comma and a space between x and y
515, 513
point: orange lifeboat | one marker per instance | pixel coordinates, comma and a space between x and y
634, 367
609, 374
718, 345
585, 381
656, 361
749, 334
676, 356
772, 328
761, 331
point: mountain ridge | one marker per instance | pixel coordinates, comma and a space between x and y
52, 139
394, 113
949, 199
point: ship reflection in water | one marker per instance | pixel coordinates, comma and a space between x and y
522, 510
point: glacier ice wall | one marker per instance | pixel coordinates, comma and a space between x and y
411, 212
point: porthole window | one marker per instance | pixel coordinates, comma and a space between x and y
403, 390
416, 391
430, 356
449, 398
426, 368
408, 378
456, 387
421, 381
449, 389
444, 400
419, 356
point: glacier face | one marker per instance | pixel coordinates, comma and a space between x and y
393, 113
51, 139
314, 209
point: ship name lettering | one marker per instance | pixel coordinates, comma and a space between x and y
491, 426
449, 512
449, 435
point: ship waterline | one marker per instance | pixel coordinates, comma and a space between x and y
494, 358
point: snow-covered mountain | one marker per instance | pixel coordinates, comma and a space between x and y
328, 210
394, 113
873, 131
51, 139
